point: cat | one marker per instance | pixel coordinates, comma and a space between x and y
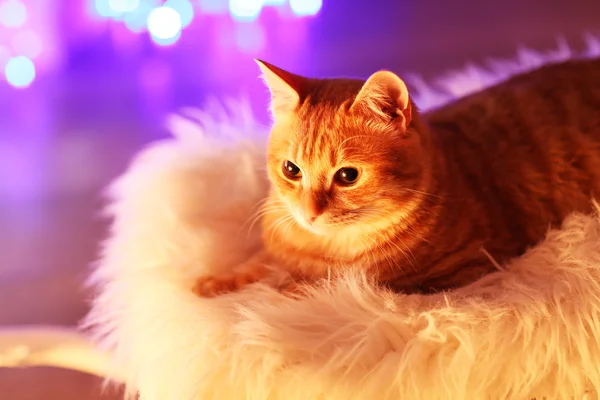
422, 202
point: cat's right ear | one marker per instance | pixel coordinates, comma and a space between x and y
286, 88
384, 94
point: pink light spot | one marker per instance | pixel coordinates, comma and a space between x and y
27, 43
250, 38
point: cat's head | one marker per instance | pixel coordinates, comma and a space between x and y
344, 153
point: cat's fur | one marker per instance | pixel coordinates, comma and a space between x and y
443, 197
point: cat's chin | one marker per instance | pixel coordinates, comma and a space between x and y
314, 229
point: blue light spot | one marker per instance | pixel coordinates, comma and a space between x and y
213, 6
136, 21
164, 23
306, 7
245, 10
184, 8
20, 71
103, 9
166, 41
123, 6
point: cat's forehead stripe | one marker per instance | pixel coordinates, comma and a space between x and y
317, 129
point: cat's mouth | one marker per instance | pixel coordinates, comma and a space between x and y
328, 223
316, 227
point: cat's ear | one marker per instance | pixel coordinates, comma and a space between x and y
385, 95
286, 88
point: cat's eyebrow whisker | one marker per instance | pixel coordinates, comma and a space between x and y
353, 137
352, 148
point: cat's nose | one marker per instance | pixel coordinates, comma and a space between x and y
312, 208
311, 216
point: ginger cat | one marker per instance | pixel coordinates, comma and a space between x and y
422, 202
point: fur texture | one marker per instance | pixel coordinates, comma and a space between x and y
532, 330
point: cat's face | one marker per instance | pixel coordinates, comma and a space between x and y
336, 165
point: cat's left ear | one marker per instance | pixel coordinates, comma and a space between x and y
385, 95
286, 88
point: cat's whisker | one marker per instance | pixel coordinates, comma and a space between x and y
262, 202
266, 207
392, 242
289, 223
370, 255
400, 250
259, 206
363, 215
415, 191
386, 255
260, 215
273, 227
415, 267
416, 234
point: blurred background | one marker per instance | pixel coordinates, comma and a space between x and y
85, 83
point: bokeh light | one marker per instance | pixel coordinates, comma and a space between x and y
27, 43
104, 9
13, 13
306, 7
250, 38
184, 8
137, 20
165, 19
20, 71
245, 10
164, 25
4, 56
213, 6
167, 41
123, 6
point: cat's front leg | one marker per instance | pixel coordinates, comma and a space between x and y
254, 270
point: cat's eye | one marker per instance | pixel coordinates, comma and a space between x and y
291, 170
347, 176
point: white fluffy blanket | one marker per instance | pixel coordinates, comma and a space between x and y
532, 330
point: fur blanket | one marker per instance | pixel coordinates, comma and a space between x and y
531, 330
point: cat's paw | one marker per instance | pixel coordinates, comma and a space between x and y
211, 286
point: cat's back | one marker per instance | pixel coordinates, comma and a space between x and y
556, 93
529, 146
